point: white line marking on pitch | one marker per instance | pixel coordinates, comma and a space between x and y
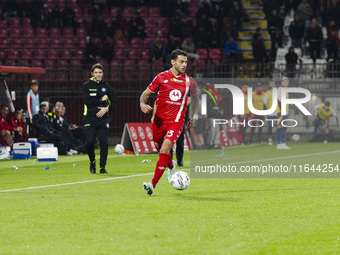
138, 175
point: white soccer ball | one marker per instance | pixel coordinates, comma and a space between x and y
295, 138
119, 149
180, 180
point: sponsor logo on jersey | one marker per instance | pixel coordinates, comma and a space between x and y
141, 133
93, 94
175, 95
176, 80
149, 133
103, 89
133, 133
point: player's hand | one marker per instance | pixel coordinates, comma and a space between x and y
102, 112
145, 108
191, 124
104, 98
152, 119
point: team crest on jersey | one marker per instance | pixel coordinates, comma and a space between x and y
107, 125
175, 95
103, 89
176, 80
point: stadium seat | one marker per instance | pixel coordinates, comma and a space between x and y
3, 33
148, 42
157, 66
123, 44
43, 43
28, 32
15, 32
50, 67
52, 54
39, 54
26, 54
120, 54
69, 43
82, 43
14, 22
150, 22
13, 54
79, 54
23, 62
55, 43
41, 32
150, 31
114, 12
128, 12
162, 22
202, 53
144, 71
26, 22
77, 11
154, 12
76, 68
162, 32
2, 55
81, 33
143, 10
66, 54
11, 62
130, 67
55, 32
215, 53
36, 63
145, 55
16, 43
4, 43
116, 70
136, 42
133, 54
62, 64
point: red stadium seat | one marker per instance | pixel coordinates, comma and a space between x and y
15, 32
41, 32
148, 42
154, 12
82, 43
146, 55
55, 43
13, 54
16, 43
39, 54
163, 22
122, 44
136, 42
36, 63
43, 43
77, 11
76, 70
23, 62
61, 76
63, 65
69, 43
150, 22
2, 55
114, 12
202, 53
29, 43
68, 32
11, 62
52, 54
215, 53
26, 22
4, 43
55, 32
143, 10
129, 12
116, 65
26, 54
66, 54
133, 54
81, 33
162, 32
14, 22
130, 73
3, 33
28, 32
79, 54
150, 32
120, 54
157, 66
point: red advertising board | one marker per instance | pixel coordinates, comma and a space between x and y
139, 136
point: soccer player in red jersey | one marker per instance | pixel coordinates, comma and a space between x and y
174, 87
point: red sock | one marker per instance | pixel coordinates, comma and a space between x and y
162, 163
170, 165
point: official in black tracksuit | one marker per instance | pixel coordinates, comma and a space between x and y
99, 99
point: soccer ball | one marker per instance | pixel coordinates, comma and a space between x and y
295, 138
180, 180
119, 149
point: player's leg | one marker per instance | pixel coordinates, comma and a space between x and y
103, 133
180, 149
91, 133
8, 136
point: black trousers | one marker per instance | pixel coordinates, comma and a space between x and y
93, 128
179, 148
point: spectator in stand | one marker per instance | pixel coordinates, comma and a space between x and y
36, 7
46, 17
259, 52
136, 27
200, 37
204, 7
18, 121
231, 50
25, 9
91, 51
268, 102
296, 31
333, 41
56, 19
7, 131
210, 68
188, 46
213, 34
314, 38
158, 49
175, 25
69, 17
172, 45
217, 14
11, 9
305, 11
108, 50
98, 27
237, 15
333, 13
275, 25
291, 61
32, 103
322, 113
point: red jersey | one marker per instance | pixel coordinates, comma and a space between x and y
172, 96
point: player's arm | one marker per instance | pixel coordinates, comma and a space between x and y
143, 101
153, 112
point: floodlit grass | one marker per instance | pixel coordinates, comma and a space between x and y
111, 214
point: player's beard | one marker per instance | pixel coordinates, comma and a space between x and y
180, 72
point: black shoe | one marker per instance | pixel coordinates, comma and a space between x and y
103, 171
180, 163
93, 167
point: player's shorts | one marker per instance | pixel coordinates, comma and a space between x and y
169, 131
280, 119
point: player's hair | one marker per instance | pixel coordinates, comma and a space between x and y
34, 82
99, 66
327, 103
3, 106
176, 53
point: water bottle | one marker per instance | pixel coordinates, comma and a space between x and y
46, 168
137, 152
14, 168
74, 165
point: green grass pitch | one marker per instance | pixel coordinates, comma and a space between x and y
67, 210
